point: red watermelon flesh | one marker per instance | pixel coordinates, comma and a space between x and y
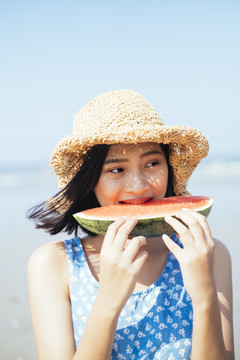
150, 214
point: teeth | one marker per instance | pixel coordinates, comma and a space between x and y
135, 202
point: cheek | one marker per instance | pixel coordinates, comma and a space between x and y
107, 192
160, 181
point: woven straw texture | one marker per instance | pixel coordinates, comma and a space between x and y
124, 116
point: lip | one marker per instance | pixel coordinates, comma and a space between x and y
135, 201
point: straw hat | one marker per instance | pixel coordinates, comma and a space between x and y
124, 116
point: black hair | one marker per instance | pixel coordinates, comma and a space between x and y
170, 189
79, 193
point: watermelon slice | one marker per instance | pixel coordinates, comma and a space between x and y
150, 215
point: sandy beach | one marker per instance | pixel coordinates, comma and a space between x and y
22, 188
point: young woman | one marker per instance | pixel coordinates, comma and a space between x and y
117, 297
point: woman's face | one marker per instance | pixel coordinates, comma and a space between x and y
132, 174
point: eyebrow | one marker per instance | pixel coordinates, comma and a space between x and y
151, 152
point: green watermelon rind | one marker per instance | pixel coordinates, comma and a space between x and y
149, 227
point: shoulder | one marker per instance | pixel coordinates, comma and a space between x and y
52, 252
49, 261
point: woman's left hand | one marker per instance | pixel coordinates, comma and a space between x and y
196, 258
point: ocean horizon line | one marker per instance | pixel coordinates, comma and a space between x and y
21, 176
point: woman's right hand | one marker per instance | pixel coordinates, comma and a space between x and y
121, 260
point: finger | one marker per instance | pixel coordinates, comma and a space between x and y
139, 261
112, 231
203, 222
127, 243
123, 233
192, 224
172, 246
180, 228
197, 225
133, 247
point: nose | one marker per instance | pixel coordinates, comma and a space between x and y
136, 183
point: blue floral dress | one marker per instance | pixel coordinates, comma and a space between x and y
155, 323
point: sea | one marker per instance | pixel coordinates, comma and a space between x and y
24, 185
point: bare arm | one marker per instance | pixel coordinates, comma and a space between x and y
214, 316
48, 279
206, 269
50, 303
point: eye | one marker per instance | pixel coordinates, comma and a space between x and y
116, 170
152, 164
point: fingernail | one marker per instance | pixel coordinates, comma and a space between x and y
168, 218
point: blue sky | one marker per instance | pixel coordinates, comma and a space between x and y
183, 56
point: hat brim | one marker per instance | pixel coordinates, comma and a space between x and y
187, 147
